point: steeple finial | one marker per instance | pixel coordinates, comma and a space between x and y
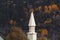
32, 20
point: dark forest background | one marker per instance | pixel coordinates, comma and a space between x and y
17, 12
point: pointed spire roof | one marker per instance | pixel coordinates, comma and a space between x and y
32, 20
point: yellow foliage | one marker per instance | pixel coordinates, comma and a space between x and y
50, 8
48, 21
42, 38
39, 8
11, 21
46, 8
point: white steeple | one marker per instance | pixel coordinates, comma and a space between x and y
1, 38
32, 35
32, 21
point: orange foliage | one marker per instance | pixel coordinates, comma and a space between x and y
16, 34
31, 10
12, 22
47, 9
44, 32
54, 6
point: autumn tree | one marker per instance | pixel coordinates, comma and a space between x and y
16, 34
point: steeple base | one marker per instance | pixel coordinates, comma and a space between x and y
32, 36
